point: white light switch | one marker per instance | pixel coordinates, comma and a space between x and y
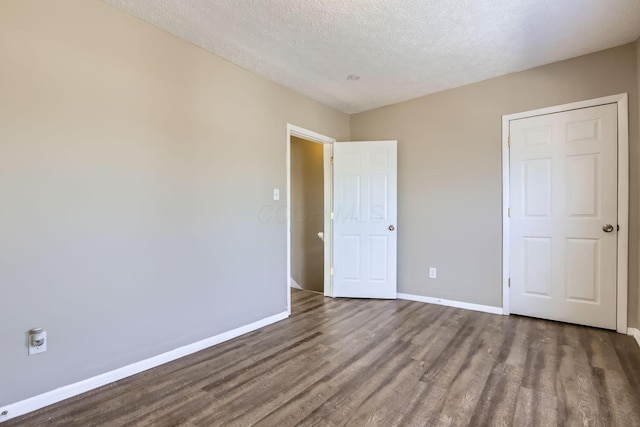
276, 194
433, 273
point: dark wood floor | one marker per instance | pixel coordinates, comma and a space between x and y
386, 363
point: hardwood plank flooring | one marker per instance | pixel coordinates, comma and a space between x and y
347, 362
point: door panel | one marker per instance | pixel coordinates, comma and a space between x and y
563, 172
365, 182
582, 269
582, 171
537, 266
537, 188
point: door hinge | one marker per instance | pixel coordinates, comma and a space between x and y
331, 216
331, 273
331, 159
509, 282
509, 141
509, 212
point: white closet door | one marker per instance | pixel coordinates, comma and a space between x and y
564, 216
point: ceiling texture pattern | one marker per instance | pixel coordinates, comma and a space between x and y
401, 49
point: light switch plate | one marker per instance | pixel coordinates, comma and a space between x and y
276, 194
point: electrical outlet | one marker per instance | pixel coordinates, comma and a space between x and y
433, 273
33, 349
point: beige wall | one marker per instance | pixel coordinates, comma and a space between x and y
136, 179
637, 260
449, 147
307, 214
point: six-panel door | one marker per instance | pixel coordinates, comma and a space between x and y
563, 180
365, 219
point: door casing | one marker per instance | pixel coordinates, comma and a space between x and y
623, 197
297, 131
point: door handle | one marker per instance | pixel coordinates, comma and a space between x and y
391, 228
607, 228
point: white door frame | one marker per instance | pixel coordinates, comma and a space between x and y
623, 197
297, 131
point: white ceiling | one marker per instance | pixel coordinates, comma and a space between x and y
402, 49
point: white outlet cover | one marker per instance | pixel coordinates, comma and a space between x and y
41, 349
432, 273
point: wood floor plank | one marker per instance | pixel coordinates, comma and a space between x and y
469, 382
540, 370
497, 403
444, 369
356, 382
348, 362
423, 401
536, 409
575, 388
386, 405
623, 400
600, 386
629, 357
599, 349
515, 354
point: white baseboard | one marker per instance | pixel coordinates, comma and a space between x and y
450, 303
634, 333
294, 284
54, 396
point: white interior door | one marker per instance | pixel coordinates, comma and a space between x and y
563, 180
365, 219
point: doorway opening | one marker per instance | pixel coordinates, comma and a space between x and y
307, 215
309, 206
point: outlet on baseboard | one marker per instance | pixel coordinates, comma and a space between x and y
433, 273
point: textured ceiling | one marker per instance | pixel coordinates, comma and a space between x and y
402, 49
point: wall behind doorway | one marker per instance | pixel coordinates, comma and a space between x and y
635, 260
307, 214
